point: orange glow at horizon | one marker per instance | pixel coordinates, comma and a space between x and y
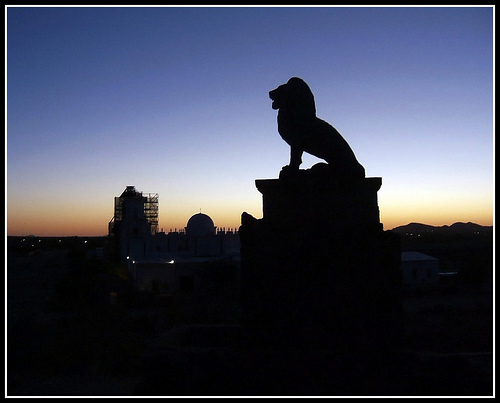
64, 223
393, 215
70, 217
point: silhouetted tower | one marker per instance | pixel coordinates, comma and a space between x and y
134, 223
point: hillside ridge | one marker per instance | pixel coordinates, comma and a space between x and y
457, 227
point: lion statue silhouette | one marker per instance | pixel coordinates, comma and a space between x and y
299, 126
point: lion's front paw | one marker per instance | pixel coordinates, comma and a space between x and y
288, 171
293, 168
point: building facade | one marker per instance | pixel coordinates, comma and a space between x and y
165, 262
419, 270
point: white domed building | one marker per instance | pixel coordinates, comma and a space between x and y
200, 225
202, 237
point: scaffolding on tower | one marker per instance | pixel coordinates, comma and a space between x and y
151, 210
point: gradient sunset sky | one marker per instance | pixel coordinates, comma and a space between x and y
175, 101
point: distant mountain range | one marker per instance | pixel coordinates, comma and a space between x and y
456, 228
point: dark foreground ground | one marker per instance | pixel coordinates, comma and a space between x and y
68, 335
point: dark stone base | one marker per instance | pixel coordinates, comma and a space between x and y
318, 270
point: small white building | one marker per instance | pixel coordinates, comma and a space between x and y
419, 270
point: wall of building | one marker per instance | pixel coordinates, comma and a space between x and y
420, 273
168, 277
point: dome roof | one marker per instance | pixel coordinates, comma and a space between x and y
200, 225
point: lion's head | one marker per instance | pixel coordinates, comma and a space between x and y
294, 96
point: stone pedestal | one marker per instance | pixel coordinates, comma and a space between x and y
316, 205
318, 270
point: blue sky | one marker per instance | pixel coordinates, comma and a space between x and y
175, 101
